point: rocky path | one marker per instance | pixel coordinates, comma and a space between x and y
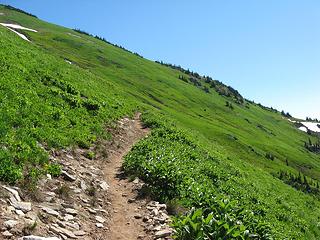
126, 210
134, 217
92, 199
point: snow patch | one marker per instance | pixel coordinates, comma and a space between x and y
312, 126
304, 129
16, 26
20, 34
11, 27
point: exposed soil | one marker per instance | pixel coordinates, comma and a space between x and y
125, 221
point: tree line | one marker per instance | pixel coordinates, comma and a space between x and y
300, 182
312, 147
197, 80
105, 40
18, 10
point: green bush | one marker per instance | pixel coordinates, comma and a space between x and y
54, 170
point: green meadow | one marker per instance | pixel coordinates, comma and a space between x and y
223, 162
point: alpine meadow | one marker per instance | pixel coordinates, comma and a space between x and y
225, 166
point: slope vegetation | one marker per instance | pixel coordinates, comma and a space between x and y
209, 148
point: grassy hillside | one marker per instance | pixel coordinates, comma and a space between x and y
203, 150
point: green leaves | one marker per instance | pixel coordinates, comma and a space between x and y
198, 224
175, 167
44, 101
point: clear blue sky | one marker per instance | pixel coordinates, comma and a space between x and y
269, 50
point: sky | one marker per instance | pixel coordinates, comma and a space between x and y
269, 50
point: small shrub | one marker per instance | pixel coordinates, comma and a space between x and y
90, 155
63, 191
270, 156
28, 229
91, 191
54, 170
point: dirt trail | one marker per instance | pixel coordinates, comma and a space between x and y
126, 219
91, 200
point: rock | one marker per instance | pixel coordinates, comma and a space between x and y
68, 217
155, 212
67, 205
62, 224
10, 224
92, 211
69, 156
77, 190
85, 200
64, 237
161, 220
100, 219
153, 204
163, 233
14, 193
29, 222
136, 180
99, 225
59, 230
50, 196
7, 234
19, 213
10, 208
131, 200
80, 233
23, 206
101, 210
38, 238
32, 216
137, 216
157, 228
68, 176
75, 226
162, 206
71, 211
104, 186
50, 211
83, 185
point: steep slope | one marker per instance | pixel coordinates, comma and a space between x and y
47, 101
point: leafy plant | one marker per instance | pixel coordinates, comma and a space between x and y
54, 170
